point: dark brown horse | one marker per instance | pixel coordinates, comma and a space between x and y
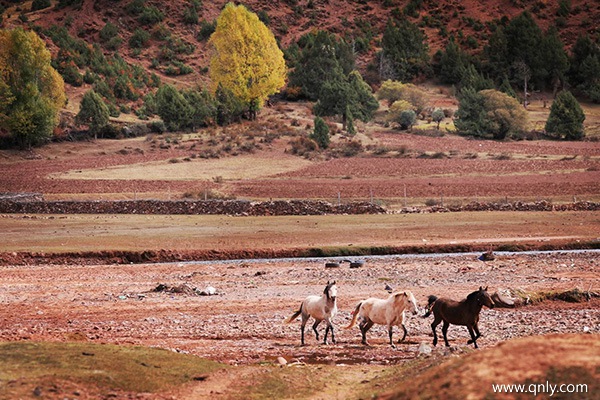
465, 312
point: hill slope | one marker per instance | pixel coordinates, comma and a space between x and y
290, 19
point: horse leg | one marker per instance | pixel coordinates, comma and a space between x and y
405, 333
315, 325
302, 326
434, 325
473, 337
364, 326
390, 332
329, 328
445, 332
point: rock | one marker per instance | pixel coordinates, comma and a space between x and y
424, 349
281, 361
332, 265
208, 291
503, 301
487, 256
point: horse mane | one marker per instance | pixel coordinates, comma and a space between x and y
326, 291
473, 296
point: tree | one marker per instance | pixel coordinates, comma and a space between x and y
348, 97
322, 55
393, 91
31, 91
555, 59
451, 63
390, 90
405, 48
584, 71
321, 133
437, 116
245, 57
172, 108
489, 113
202, 105
407, 119
566, 117
93, 112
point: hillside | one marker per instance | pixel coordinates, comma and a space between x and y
290, 19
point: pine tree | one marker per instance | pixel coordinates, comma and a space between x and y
322, 56
405, 47
452, 62
172, 108
93, 112
346, 96
566, 117
245, 57
320, 133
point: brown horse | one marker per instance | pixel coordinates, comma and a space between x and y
465, 312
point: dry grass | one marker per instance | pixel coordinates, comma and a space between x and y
102, 367
72, 233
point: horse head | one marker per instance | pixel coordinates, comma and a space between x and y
407, 300
484, 298
330, 290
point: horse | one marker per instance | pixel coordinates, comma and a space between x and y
388, 312
465, 312
321, 308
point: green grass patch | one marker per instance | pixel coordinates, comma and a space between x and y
108, 367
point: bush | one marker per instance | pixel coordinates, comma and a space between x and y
566, 117
151, 16
407, 119
40, 4
108, 32
490, 112
321, 133
139, 39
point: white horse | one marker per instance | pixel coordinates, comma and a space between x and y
388, 312
323, 307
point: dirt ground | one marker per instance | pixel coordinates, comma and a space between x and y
243, 323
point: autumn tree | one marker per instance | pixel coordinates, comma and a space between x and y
245, 58
490, 113
31, 91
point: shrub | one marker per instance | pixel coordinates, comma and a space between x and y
407, 119
40, 4
108, 32
321, 133
139, 39
566, 117
151, 16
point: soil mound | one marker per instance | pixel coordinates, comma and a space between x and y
540, 364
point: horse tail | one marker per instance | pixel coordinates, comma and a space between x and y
294, 315
430, 302
354, 316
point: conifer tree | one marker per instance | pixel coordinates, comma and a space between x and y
566, 117
93, 112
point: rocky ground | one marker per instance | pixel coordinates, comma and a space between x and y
243, 322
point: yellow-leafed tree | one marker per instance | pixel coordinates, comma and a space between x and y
245, 59
31, 91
